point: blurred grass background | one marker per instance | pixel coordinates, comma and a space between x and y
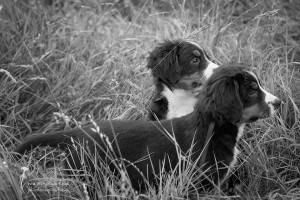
64, 62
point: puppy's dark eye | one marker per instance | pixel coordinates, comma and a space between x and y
253, 93
195, 60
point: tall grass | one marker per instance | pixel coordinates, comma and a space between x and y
64, 63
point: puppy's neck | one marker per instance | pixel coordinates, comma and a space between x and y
180, 101
225, 134
222, 146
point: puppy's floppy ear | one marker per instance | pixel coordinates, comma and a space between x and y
163, 61
223, 99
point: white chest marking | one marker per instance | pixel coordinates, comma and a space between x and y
240, 132
180, 102
235, 150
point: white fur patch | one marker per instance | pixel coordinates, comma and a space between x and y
270, 99
181, 102
235, 150
240, 131
235, 154
210, 69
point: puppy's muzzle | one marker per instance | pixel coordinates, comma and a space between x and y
276, 103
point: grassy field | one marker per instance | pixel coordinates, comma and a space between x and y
67, 63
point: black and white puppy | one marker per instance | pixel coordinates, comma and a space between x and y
230, 98
179, 68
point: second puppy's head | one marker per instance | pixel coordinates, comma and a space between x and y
181, 64
234, 94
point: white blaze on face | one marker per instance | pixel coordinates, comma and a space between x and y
270, 99
210, 69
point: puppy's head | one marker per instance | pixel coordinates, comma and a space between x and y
181, 64
233, 93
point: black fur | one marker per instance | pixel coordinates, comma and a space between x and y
222, 101
163, 61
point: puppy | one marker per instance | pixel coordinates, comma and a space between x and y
231, 97
179, 68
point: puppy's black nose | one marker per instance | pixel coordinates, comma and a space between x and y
276, 104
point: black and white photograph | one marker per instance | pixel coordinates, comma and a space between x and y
149, 99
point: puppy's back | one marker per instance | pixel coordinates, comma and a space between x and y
131, 137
